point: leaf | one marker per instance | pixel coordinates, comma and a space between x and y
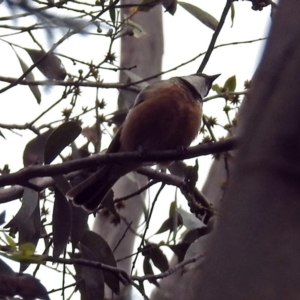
172, 208
34, 151
92, 277
179, 250
29, 203
10, 241
62, 220
1, 134
61, 137
29, 232
191, 176
2, 217
81, 276
134, 77
230, 84
5, 269
194, 234
102, 253
27, 249
201, 15
112, 12
61, 183
149, 271
169, 224
189, 220
216, 88
79, 224
51, 66
79, 217
137, 30
34, 89
159, 259
29, 287
170, 6
232, 13
119, 116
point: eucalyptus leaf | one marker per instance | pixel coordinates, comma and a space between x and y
51, 66
189, 220
29, 77
204, 17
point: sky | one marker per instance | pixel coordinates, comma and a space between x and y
185, 37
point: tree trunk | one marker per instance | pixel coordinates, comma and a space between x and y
146, 54
254, 251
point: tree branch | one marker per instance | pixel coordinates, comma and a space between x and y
215, 36
113, 158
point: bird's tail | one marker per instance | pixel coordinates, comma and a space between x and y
90, 192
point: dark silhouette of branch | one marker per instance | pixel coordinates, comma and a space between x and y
121, 274
215, 36
64, 168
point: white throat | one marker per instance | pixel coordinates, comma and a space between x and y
199, 83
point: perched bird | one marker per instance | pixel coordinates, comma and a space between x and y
166, 115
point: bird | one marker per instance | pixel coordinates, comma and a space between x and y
166, 115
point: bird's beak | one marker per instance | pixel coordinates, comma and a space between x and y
213, 77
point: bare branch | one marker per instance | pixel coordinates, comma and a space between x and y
157, 156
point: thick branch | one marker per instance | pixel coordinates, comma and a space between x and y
24, 175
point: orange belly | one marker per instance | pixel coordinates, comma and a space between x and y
162, 123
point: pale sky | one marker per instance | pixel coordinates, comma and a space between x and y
184, 36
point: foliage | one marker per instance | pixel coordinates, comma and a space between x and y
48, 228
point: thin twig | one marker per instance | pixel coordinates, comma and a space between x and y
215, 36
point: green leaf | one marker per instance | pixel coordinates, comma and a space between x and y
27, 249
169, 224
1, 134
29, 203
2, 217
62, 220
34, 89
191, 176
79, 224
134, 77
216, 88
92, 277
10, 241
34, 151
61, 182
102, 253
201, 15
172, 208
29, 232
148, 270
112, 12
170, 6
230, 84
137, 30
232, 13
179, 250
159, 259
189, 220
50, 66
61, 137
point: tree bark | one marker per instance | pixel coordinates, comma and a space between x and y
254, 251
146, 54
